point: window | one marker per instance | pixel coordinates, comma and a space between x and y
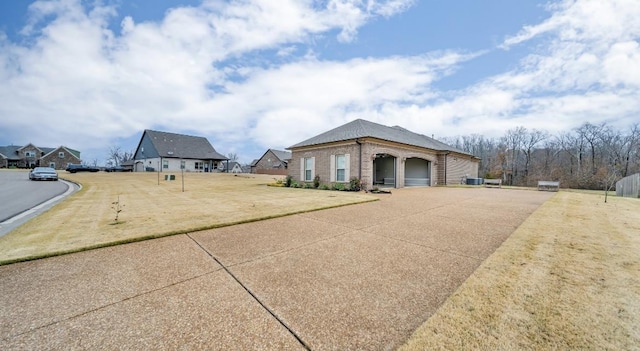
199, 166
165, 164
340, 168
308, 169
182, 164
60, 154
30, 154
339, 171
52, 165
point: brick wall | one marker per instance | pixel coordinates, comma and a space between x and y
457, 165
270, 164
60, 162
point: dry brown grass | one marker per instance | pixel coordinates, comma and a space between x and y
567, 279
86, 219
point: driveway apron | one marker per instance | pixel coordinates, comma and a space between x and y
349, 278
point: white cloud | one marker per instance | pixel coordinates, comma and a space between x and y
201, 69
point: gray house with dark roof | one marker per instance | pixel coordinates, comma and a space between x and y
170, 152
273, 162
29, 156
380, 156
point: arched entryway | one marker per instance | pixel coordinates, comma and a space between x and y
384, 170
417, 172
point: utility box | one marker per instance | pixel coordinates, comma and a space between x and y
474, 181
169, 177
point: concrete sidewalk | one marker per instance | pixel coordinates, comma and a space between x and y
350, 278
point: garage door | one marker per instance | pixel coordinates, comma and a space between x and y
417, 172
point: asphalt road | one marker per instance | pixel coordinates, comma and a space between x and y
19, 194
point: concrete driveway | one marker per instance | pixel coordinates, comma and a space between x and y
360, 277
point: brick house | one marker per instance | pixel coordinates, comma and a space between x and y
274, 162
30, 156
380, 156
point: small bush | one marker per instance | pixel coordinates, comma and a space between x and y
287, 181
324, 187
309, 186
316, 181
337, 186
293, 184
355, 184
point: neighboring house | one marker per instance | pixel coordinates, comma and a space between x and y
230, 167
380, 156
272, 162
30, 156
170, 152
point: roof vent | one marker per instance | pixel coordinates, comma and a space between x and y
170, 152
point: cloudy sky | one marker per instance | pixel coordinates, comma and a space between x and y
256, 74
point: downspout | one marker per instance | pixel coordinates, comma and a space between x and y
360, 160
445, 167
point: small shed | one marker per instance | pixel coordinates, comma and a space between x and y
629, 186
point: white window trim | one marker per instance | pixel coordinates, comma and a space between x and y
303, 169
334, 171
52, 165
60, 154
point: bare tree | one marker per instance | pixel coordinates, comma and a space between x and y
530, 141
514, 140
232, 156
114, 156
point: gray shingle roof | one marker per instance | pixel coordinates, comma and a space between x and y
360, 128
282, 155
11, 151
183, 146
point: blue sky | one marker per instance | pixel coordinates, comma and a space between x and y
256, 74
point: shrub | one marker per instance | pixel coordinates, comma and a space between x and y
309, 186
324, 187
288, 180
337, 186
316, 181
354, 184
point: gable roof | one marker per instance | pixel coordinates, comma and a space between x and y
11, 151
284, 156
360, 128
49, 150
182, 146
232, 164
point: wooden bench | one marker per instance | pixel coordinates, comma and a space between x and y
546, 185
493, 182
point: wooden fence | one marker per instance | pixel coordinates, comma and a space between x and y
629, 186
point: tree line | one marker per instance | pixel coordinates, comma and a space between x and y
592, 156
